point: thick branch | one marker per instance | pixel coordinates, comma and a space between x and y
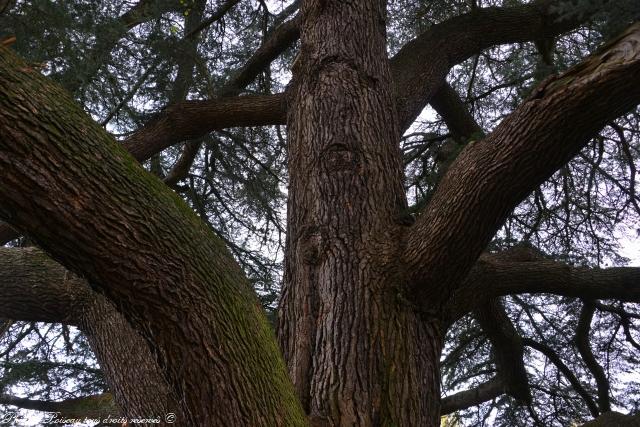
490, 177
193, 119
182, 83
507, 345
183, 164
416, 82
508, 354
171, 276
460, 122
280, 40
584, 347
188, 52
215, 17
509, 273
421, 66
36, 288
493, 275
464, 399
131, 370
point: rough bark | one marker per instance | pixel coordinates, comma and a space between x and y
36, 288
490, 177
358, 354
131, 371
177, 123
171, 276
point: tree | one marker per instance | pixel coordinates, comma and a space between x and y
371, 283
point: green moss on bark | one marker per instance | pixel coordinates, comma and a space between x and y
94, 209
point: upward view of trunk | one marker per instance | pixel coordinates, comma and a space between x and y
367, 289
359, 355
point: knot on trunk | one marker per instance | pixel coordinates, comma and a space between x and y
313, 243
340, 157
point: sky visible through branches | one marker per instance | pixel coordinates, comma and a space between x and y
587, 214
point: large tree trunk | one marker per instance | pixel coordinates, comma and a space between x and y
171, 277
357, 352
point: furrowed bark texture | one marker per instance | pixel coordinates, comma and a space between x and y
357, 353
132, 372
170, 275
36, 288
490, 177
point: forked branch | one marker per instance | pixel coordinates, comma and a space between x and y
490, 177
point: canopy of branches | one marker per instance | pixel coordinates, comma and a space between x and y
150, 71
